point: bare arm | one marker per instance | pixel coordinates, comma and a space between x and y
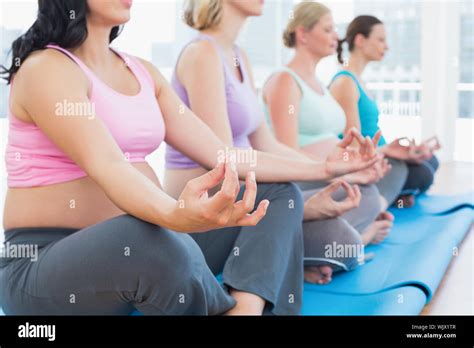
283, 98
345, 92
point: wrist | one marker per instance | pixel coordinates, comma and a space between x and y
324, 172
167, 215
309, 213
383, 149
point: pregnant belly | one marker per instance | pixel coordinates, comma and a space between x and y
75, 204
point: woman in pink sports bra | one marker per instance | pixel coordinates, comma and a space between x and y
83, 118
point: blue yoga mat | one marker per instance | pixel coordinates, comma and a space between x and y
408, 229
407, 300
411, 261
437, 204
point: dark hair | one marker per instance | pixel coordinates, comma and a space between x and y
60, 22
359, 25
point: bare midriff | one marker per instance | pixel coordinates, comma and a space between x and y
74, 204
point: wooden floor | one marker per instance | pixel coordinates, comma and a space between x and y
455, 295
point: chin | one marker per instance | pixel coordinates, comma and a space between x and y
331, 51
377, 58
256, 12
121, 18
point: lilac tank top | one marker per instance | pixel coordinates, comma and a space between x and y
243, 109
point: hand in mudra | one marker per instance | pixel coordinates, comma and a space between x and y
412, 152
371, 175
323, 206
345, 159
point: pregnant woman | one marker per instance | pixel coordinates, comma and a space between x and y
82, 119
214, 78
367, 43
305, 116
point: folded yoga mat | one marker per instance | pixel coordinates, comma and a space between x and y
406, 300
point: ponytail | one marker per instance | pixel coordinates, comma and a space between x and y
340, 49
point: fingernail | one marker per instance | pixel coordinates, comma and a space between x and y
233, 166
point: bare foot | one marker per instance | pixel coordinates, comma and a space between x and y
318, 275
379, 229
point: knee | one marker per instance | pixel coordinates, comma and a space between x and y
434, 163
284, 219
420, 177
399, 170
350, 247
335, 241
370, 202
286, 197
295, 195
156, 252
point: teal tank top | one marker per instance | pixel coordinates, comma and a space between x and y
368, 110
320, 116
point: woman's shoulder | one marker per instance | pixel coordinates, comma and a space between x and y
281, 79
200, 52
344, 84
49, 65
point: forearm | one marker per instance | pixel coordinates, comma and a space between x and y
136, 194
283, 150
275, 168
268, 167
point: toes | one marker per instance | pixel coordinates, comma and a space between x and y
326, 271
318, 275
385, 215
381, 236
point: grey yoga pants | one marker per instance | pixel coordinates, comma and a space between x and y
123, 264
337, 242
391, 185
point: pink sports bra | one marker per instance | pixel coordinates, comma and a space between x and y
135, 122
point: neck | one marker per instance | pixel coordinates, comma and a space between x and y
304, 62
227, 32
95, 50
357, 64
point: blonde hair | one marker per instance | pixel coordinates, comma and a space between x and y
202, 14
305, 14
